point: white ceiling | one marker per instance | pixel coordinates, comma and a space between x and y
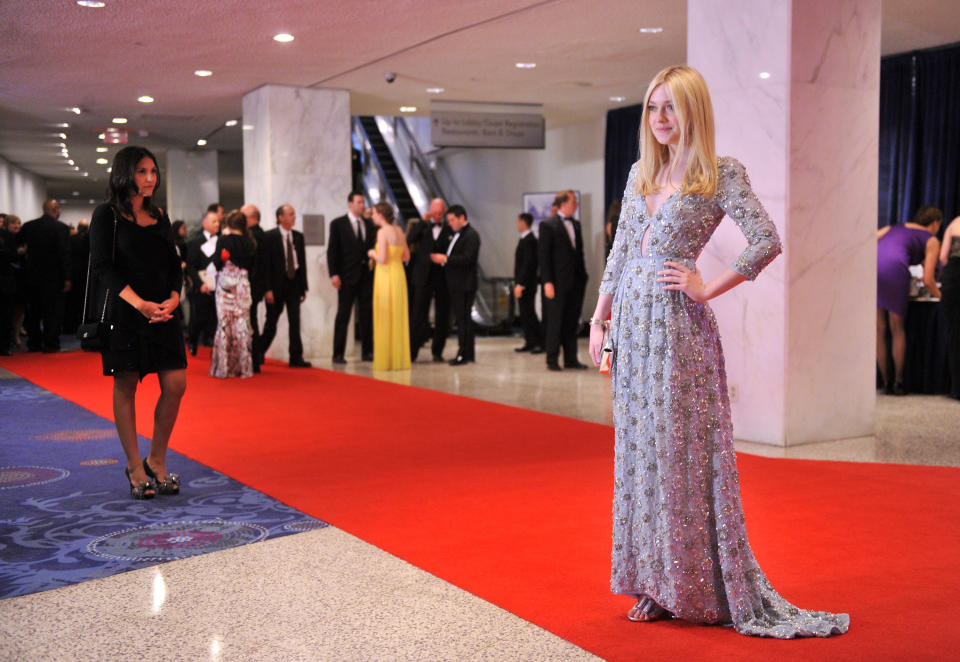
57, 55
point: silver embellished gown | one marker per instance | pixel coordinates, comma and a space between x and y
678, 529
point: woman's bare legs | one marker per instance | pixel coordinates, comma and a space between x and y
173, 383
125, 415
898, 341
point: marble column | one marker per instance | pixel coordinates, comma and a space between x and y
192, 182
296, 151
795, 88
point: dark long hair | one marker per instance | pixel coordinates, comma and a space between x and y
237, 220
122, 180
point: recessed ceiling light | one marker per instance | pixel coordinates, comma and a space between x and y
283, 37
62, 136
145, 99
203, 73
618, 99
201, 142
230, 123
525, 65
101, 149
70, 162
110, 169
102, 161
85, 174
76, 110
101, 136
764, 75
76, 167
119, 120
651, 30
408, 109
435, 90
62, 125
95, 4
76, 193
91, 201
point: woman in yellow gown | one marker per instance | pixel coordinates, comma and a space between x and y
391, 328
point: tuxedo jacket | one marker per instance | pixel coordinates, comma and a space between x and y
525, 263
256, 276
561, 263
275, 267
422, 245
197, 261
461, 266
346, 253
48, 249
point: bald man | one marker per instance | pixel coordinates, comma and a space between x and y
47, 241
429, 282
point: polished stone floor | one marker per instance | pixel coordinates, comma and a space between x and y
252, 603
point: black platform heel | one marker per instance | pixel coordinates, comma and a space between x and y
169, 486
141, 491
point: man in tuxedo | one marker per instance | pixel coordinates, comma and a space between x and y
430, 236
459, 263
47, 259
351, 236
285, 280
526, 284
202, 278
252, 214
564, 275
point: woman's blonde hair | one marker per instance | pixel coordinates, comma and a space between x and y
691, 102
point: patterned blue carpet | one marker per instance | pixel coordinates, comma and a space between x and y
65, 511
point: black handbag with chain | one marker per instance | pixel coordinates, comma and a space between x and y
94, 335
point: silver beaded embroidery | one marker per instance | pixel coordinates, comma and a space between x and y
678, 525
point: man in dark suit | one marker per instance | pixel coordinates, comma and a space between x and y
203, 305
432, 235
351, 236
526, 284
285, 280
48, 276
460, 265
563, 272
252, 214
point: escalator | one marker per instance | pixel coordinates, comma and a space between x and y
388, 169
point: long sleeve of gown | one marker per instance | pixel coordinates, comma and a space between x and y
102, 256
618, 253
736, 197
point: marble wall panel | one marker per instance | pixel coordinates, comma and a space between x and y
296, 150
192, 182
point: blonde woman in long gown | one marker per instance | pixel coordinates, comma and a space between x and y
680, 545
391, 326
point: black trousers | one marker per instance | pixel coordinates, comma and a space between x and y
532, 331
360, 293
203, 318
435, 290
950, 302
45, 307
290, 299
562, 321
254, 319
462, 304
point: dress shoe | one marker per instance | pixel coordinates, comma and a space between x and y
459, 361
339, 360
574, 366
537, 350
193, 349
438, 358
300, 363
525, 348
366, 357
553, 365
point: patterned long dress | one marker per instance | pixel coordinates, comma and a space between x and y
678, 529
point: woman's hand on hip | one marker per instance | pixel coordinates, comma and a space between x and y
678, 277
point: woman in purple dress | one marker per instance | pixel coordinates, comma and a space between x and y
898, 247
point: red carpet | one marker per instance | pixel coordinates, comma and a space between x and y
514, 506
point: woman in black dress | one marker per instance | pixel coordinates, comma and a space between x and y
950, 299
133, 257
